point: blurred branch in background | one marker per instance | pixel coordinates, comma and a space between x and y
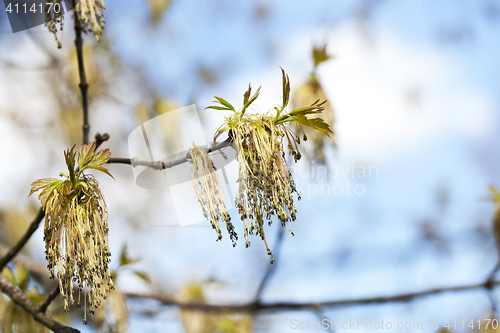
285, 306
20, 244
258, 305
84, 86
20, 299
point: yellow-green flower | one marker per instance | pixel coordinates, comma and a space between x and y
208, 192
90, 14
76, 227
266, 185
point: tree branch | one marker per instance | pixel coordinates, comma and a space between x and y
52, 296
159, 165
280, 306
16, 248
24, 302
34, 268
37, 269
84, 86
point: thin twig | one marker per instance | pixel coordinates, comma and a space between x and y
491, 277
84, 86
16, 248
159, 165
100, 139
50, 298
271, 268
20, 299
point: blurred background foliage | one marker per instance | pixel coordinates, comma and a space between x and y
412, 89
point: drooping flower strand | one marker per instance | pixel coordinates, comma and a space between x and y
54, 18
76, 228
208, 192
90, 14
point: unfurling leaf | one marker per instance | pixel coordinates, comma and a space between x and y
85, 154
42, 183
226, 105
246, 95
247, 101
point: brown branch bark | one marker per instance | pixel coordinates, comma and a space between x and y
16, 248
159, 165
24, 302
38, 270
84, 86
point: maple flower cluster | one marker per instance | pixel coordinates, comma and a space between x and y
76, 228
266, 184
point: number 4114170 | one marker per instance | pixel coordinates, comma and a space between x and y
486, 323
23, 8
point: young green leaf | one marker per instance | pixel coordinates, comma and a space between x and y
225, 103
286, 89
85, 154
214, 107
251, 100
320, 125
306, 110
246, 95
100, 158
